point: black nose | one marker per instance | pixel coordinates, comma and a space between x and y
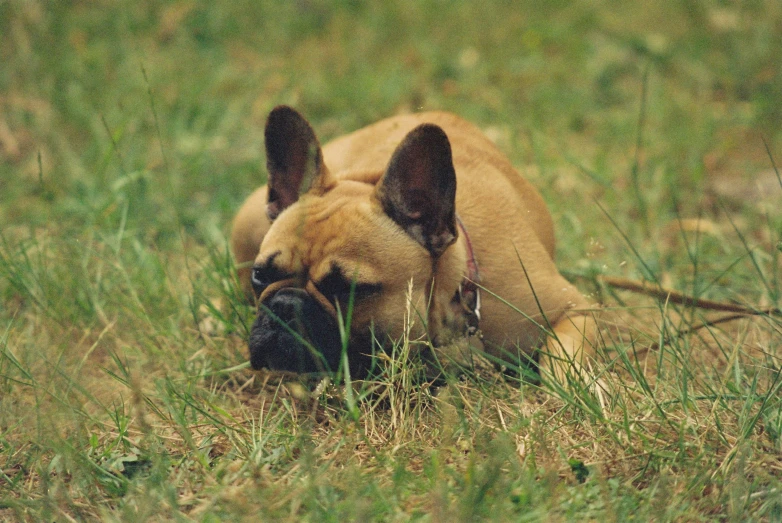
294, 333
288, 304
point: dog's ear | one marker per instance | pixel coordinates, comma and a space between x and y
293, 158
418, 189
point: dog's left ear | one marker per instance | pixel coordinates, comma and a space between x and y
293, 158
418, 189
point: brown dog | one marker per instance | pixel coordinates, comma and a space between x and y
415, 213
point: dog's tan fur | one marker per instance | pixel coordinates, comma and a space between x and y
512, 235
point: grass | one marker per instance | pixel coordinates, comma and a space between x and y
130, 132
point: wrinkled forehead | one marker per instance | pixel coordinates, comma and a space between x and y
339, 225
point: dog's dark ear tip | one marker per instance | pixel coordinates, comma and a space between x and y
282, 110
430, 130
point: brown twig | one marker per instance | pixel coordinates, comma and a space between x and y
695, 328
672, 296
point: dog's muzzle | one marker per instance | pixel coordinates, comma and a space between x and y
294, 333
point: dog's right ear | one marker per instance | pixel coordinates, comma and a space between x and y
293, 158
418, 189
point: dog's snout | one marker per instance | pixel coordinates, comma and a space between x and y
293, 332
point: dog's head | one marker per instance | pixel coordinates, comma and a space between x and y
336, 265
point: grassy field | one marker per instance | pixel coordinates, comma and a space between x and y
130, 132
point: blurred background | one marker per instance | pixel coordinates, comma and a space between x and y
132, 130
150, 113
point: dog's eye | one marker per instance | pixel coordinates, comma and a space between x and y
365, 290
337, 288
259, 280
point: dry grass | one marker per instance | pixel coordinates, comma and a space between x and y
131, 132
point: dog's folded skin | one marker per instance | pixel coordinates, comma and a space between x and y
380, 208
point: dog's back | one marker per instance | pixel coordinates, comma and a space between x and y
480, 166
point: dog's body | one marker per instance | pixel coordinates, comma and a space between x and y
376, 211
